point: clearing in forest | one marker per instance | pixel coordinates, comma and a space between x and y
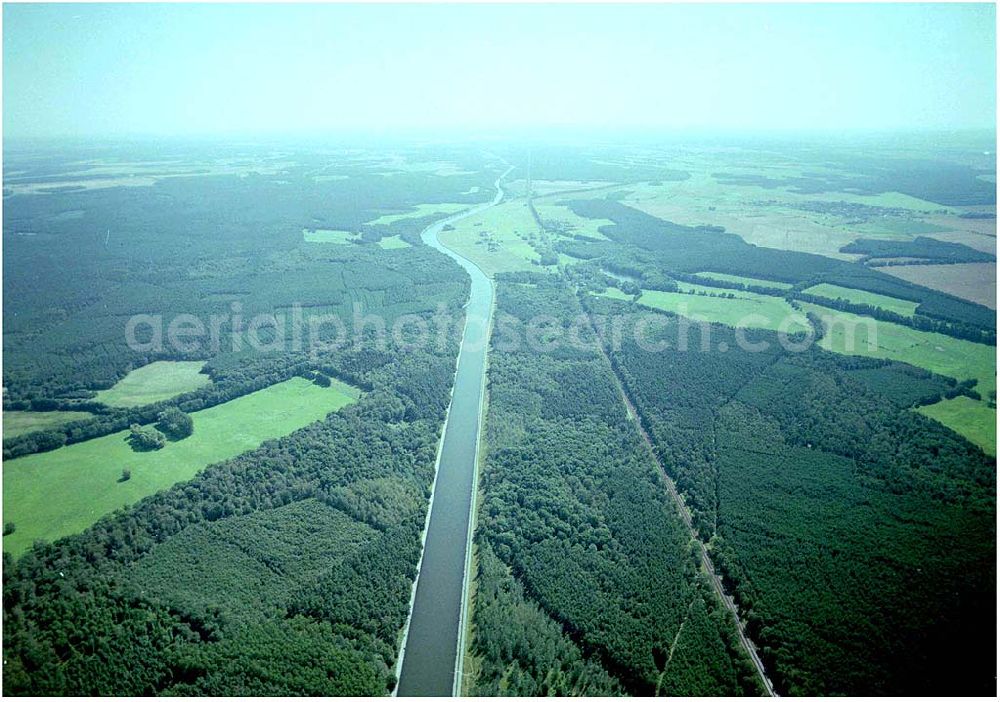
974, 420
392, 242
329, 236
156, 381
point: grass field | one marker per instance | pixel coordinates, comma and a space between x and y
156, 381
615, 294
329, 236
955, 358
17, 423
498, 239
695, 289
974, 420
52, 494
445, 208
745, 280
862, 297
393, 242
746, 310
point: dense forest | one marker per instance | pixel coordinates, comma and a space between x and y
921, 248
856, 534
577, 538
203, 245
216, 247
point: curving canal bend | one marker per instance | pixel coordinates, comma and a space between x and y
430, 658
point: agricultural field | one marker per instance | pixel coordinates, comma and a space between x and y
61, 492
543, 188
976, 282
616, 294
954, 358
863, 297
815, 222
92, 174
979, 234
160, 380
898, 227
16, 423
702, 200
987, 243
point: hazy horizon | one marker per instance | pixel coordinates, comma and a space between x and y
209, 70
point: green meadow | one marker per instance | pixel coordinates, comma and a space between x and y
16, 423
745, 280
393, 242
945, 355
974, 420
420, 211
56, 493
862, 297
955, 358
156, 381
745, 309
616, 294
329, 236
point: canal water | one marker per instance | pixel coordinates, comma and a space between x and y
431, 645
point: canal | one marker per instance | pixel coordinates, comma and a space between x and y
430, 651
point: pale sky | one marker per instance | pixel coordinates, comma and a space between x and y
116, 70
